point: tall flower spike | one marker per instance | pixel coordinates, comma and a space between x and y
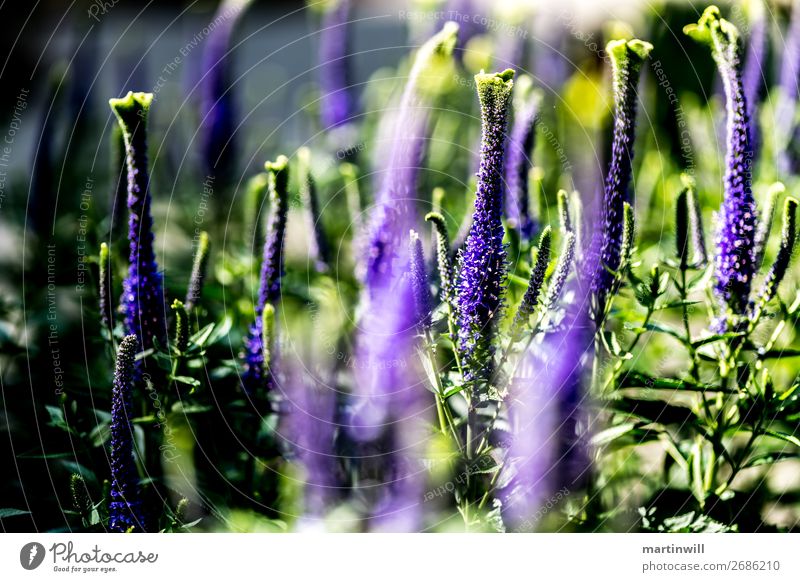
443, 259
682, 229
338, 101
700, 257
628, 237
531, 298
217, 107
181, 326
784, 257
563, 266
254, 376
606, 247
393, 215
767, 215
564, 217
318, 244
790, 86
519, 158
105, 288
143, 295
267, 335
125, 510
199, 266
735, 260
419, 281
482, 265
754, 67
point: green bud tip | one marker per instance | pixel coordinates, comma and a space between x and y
131, 103
622, 49
712, 29
280, 164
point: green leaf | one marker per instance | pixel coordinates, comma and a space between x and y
188, 380
606, 436
655, 411
770, 458
783, 436
716, 338
11, 512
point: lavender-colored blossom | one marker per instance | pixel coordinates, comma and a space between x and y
753, 73
419, 281
735, 261
405, 133
308, 427
143, 295
548, 458
217, 107
482, 265
466, 14
389, 412
518, 162
338, 102
789, 80
604, 255
125, 507
254, 374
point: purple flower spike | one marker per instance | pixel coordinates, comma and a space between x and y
482, 265
143, 295
419, 281
125, 511
735, 260
548, 458
389, 405
338, 102
519, 162
605, 253
254, 376
754, 72
217, 107
393, 215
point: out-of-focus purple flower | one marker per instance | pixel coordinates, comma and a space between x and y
604, 254
466, 14
254, 375
519, 162
217, 107
735, 260
125, 507
143, 294
548, 458
406, 135
388, 401
482, 265
309, 429
753, 74
338, 103
789, 83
